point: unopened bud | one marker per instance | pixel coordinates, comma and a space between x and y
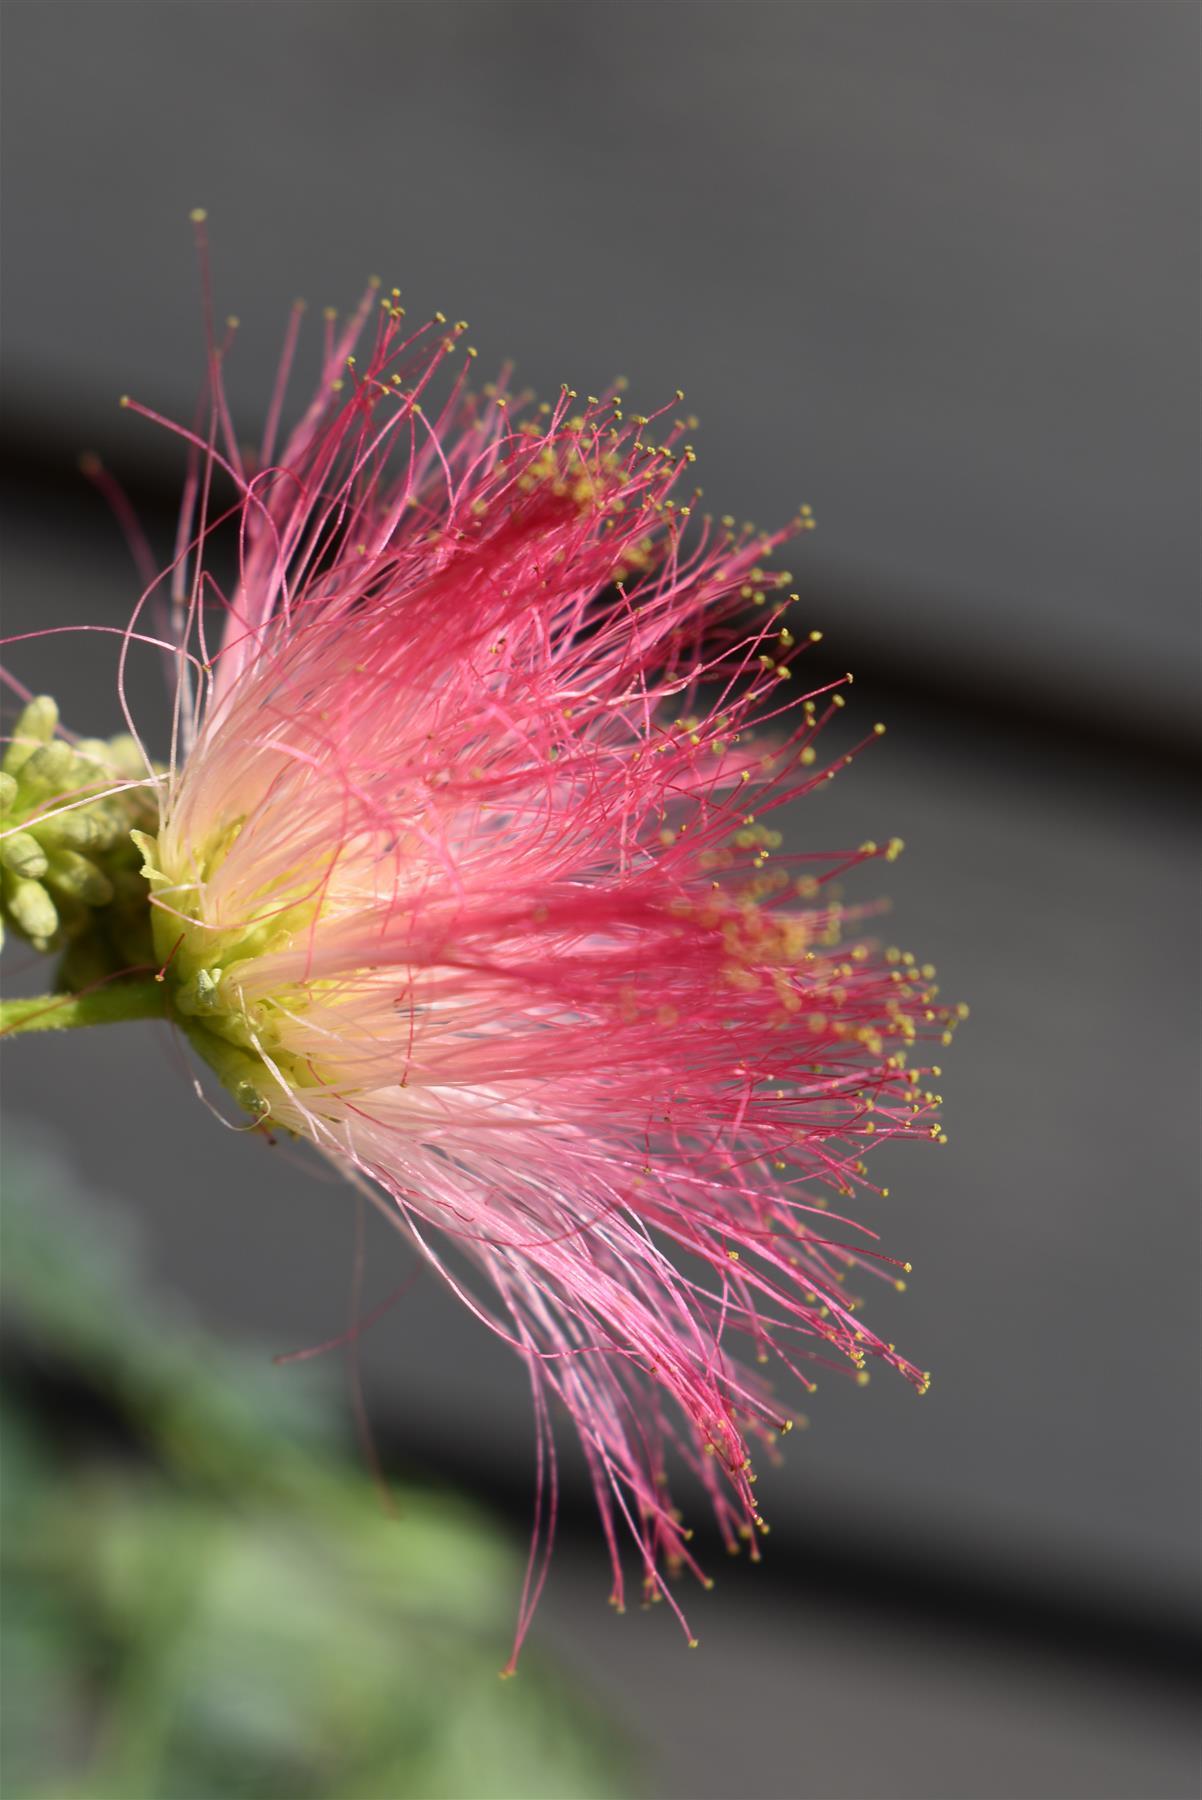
34, 726
78, 829
49, 769
24, 855
31, 909
74, 875
70, 868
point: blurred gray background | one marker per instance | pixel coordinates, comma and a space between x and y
933, 269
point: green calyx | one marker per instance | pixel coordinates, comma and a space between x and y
70, 874
204, 967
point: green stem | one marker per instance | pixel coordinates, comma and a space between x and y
124, 999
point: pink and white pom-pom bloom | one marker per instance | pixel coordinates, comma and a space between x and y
464, 874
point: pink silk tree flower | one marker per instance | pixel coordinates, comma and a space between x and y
462, 873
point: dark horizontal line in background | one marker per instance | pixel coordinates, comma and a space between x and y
907, 1585
900, 1585
988, 697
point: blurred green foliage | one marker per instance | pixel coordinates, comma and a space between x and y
206, 1599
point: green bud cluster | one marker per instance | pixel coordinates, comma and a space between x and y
70, 874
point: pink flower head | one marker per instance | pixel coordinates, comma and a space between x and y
464, 874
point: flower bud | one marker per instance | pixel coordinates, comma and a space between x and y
88, 830
31, 910
71, 871
73, 875
49, 769
34, 727
24, 855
